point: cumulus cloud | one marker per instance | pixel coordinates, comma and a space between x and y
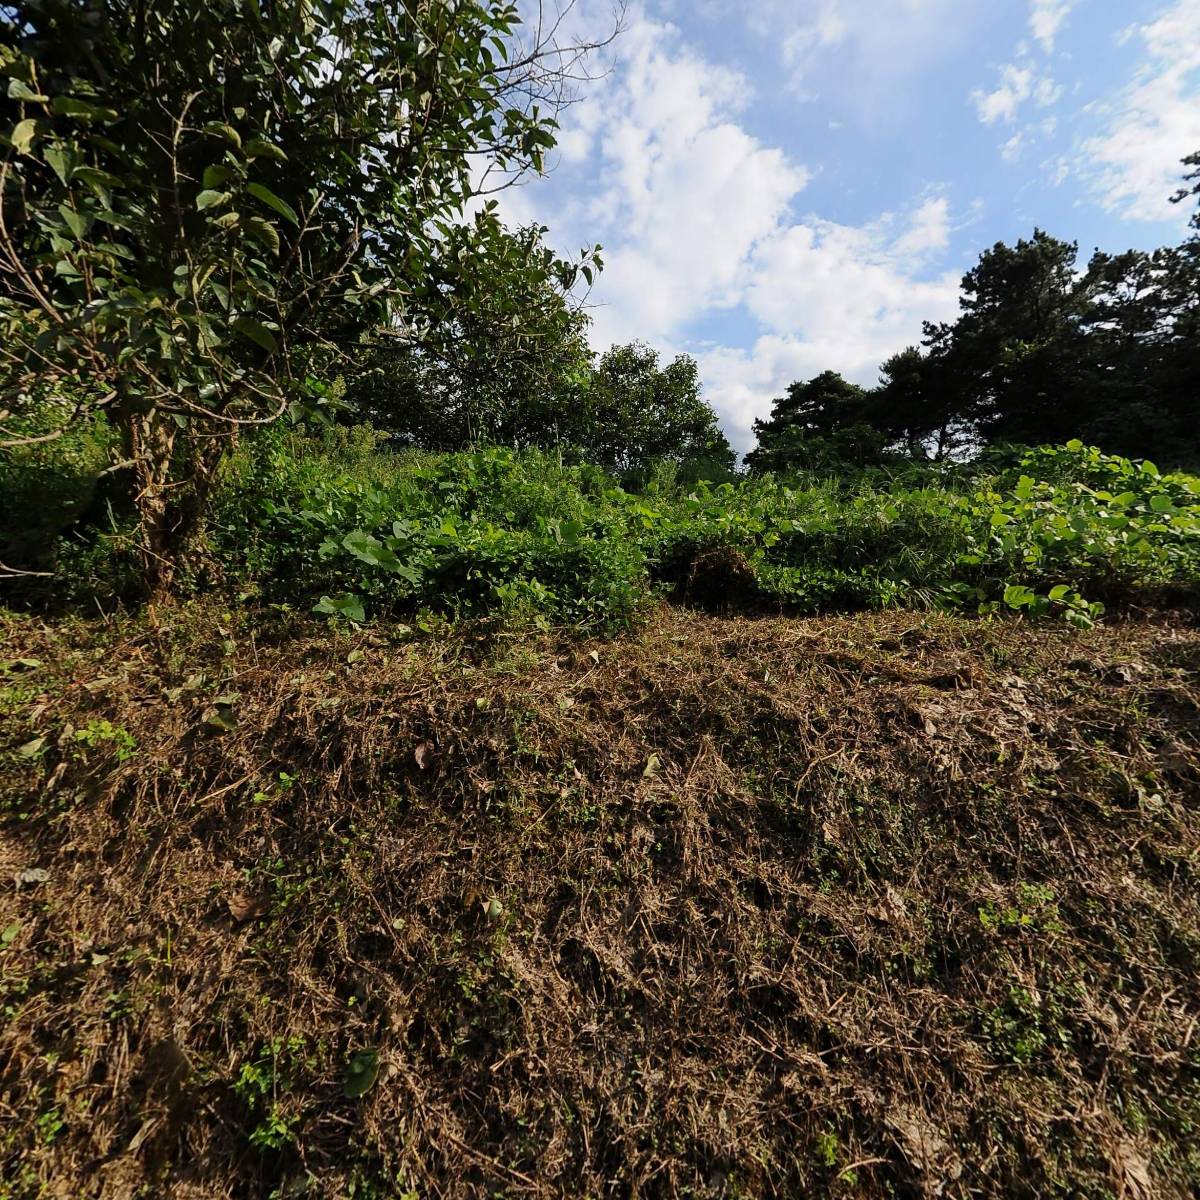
686, 193
697, 217
865, 52
1153, 123
832, 296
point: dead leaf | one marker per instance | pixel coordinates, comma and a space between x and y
1173, 757
245, 906
653, 766
925, 1146
424, 754
31, 876
32, 748
1133, 1172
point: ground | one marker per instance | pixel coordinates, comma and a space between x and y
875, 905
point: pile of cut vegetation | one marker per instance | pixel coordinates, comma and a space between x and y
887, 905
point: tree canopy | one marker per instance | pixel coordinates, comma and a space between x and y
193, 195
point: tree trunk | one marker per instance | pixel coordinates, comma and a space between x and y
171, 503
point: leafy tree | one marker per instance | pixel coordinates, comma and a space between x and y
194, 194
821, 422
633, 413
1191, 186
914, 405
1010, 358
503, 356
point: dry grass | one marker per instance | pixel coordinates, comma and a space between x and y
884, 905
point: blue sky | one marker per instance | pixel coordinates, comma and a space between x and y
784, 186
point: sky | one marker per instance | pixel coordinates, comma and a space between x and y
787, 186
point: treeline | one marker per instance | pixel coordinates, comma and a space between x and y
623, 411
1042, 351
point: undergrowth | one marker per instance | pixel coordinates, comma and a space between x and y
339, 523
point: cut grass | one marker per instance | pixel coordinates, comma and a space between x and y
892, 904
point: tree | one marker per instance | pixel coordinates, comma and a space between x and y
192, 195
632, 413
502, 358
1012, 355
818, 423
1191, 186
915, 405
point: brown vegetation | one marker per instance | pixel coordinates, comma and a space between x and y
876, 905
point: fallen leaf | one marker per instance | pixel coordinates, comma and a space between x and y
245, 906
653, 766
221, 717
1173, 757
424, 754
926, 1147
493, 909
31, 876
1133, 1173
32, 749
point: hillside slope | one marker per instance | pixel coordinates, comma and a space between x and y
894, 904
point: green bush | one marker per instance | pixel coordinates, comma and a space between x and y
338, 522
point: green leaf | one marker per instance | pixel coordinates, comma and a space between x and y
260, 148
346, 605
221, 129
18, 89
1162, 504
21, 664
261, 192
1059, 591
215, 175
22, 136
9, 934
98, 178
263, 231
363, 546
209, 198
256, 331
69, 106
1018, 596
61, 160
361, 1072
78, 223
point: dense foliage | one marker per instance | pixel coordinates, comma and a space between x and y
357, 531
199, 199
623, 411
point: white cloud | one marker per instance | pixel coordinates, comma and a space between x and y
1046, 18
695, 214
865, 52
834, 297
1153, 123
1017, 85
685, 192
1011, 150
